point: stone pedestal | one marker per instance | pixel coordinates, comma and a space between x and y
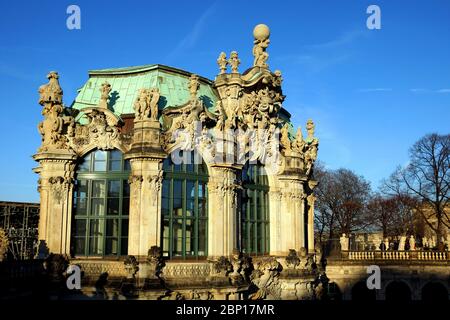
56, 175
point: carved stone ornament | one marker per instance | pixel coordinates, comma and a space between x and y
54, 127
234, 62
222, 62
131, 266
102, 131
265, 278
194, 85
155, 185
146, 104
261, 34
104, 95
292, 260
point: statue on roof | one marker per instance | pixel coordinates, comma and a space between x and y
261, 34
154, 103
193, 86
105, 90
234, 62
222, 62
311, 147
141, 105
51, 92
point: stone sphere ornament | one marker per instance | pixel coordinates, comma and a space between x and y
261, 32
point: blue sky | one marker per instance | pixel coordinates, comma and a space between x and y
371, 93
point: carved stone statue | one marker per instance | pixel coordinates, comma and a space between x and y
4, 244
311, 148
155, 95
401, 245
344, 242
52, 128
412, 243
285, 142
234, 62
51, 92
105, 90
222, 62
141, 105
131, 266
265, 277
193, 86
261, 34
292, 260
298, 144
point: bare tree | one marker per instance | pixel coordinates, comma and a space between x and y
427, 179
393, 214
342, 198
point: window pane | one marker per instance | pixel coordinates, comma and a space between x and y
113, 206
81, 188
124, 228
80, 246
112, 227
190, 198
96, 237
124, 247
80, 228
100, 155
202, 237
115, 155
177, 237
190, 237
85, 163
125, 206
98, 188
177, 198
112, 246
166, 237
165, 198
126, 165
100, 166
80, 206
115, 165
98, 207
126, 188
114, 188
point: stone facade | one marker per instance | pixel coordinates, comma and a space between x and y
246, 123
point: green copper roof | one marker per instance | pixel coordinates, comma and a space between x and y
126, 82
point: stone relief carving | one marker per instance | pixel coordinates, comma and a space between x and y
292, 260
265, 278
156, 260
222, 266
57, 185
155, 184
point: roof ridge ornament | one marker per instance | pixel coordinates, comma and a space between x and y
261, 33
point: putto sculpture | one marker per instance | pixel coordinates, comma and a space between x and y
104, 90
222, 62
234, 62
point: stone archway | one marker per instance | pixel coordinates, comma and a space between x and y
360, 292
397, 291
434, 292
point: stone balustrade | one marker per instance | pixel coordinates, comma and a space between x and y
396, 255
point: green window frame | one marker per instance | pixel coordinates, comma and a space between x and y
255, 224
184, 210
101, 203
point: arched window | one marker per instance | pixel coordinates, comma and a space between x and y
255, 210
100, 205
184, 209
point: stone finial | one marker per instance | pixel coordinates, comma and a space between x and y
193, 86
234, 62
51, 92
261, 34
105, 90
344, 242
222, 62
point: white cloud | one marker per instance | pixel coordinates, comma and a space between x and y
375, 90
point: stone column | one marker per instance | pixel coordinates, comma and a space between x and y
146, 157
56, 176
275, 216
222, 207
